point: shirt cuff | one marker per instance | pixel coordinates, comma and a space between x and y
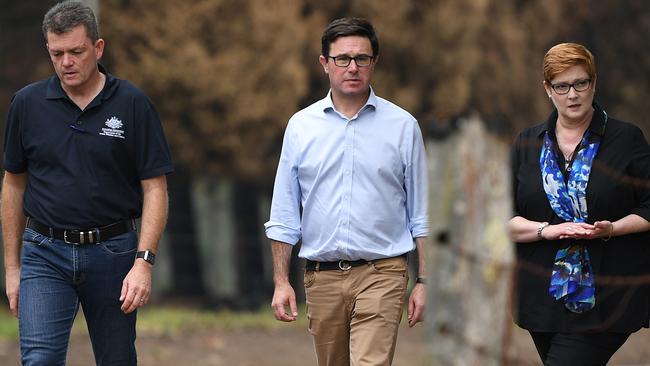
283, 234
419, 228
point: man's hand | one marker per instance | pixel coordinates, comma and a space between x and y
12, 284
417, 302
136, 286
284, 296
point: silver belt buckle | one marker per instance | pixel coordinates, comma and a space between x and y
65, 238
344, 265
91, 240
82, 237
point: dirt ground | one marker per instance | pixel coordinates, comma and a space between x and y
287, 346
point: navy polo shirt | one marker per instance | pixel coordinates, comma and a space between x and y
84, 167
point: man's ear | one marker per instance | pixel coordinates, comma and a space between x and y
99, 48
323, 61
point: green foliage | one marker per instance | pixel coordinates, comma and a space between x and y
8, 325
175, 321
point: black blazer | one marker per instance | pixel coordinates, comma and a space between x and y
618, 185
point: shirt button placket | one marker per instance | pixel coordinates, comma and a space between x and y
348, 165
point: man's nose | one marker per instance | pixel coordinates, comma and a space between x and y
353, 65
67, 60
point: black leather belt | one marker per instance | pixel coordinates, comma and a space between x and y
80, 237
342, 265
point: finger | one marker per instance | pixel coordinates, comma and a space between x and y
417, 315
280, 314
125, 290
13, 305
294, 307
278, 309
409, 312
602, 224
129, 299
286, 317
134, 305
140, 303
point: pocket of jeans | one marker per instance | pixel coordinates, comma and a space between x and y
392, 266
309, 278
32, 237
122, 244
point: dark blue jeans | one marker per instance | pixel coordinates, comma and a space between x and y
56, 278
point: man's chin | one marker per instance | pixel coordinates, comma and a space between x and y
356, 92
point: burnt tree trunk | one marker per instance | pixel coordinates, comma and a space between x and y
470, 256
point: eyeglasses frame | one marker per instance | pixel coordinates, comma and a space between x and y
352, 59
572, 85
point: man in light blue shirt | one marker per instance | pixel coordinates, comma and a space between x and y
356, 166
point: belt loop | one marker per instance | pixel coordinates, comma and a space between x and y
98, 237
51, 232
317, 266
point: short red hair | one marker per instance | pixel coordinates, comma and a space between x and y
566, 55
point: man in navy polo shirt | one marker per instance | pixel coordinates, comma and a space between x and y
85, 155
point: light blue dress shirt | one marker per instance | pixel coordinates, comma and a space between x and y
361, 183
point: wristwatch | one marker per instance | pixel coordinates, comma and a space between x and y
147, 255
422, 280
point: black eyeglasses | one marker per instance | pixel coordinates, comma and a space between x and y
344, 60
563, 88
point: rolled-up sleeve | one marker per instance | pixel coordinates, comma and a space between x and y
416, 184
284, 223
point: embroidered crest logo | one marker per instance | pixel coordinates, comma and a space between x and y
113, 128
114, 123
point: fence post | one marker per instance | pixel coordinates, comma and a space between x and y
470, 256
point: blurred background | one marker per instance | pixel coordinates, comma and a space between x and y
226, 75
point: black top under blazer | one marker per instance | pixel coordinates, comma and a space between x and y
618, 186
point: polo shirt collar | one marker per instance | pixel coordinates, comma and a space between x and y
328, 104
55, 91
596, 126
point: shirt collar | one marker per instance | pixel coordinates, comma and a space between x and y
55, 91
596, 126
327, 103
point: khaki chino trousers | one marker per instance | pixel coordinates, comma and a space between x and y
354, 315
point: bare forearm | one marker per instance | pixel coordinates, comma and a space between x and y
420, 246
281, 260
630, 224
13, 219
154, 212
522, 230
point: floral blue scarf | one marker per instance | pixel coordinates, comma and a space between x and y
572, 278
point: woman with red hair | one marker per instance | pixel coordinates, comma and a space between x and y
582, 211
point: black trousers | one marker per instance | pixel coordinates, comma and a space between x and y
577, 349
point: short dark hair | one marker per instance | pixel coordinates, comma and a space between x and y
64, 16
344, 27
